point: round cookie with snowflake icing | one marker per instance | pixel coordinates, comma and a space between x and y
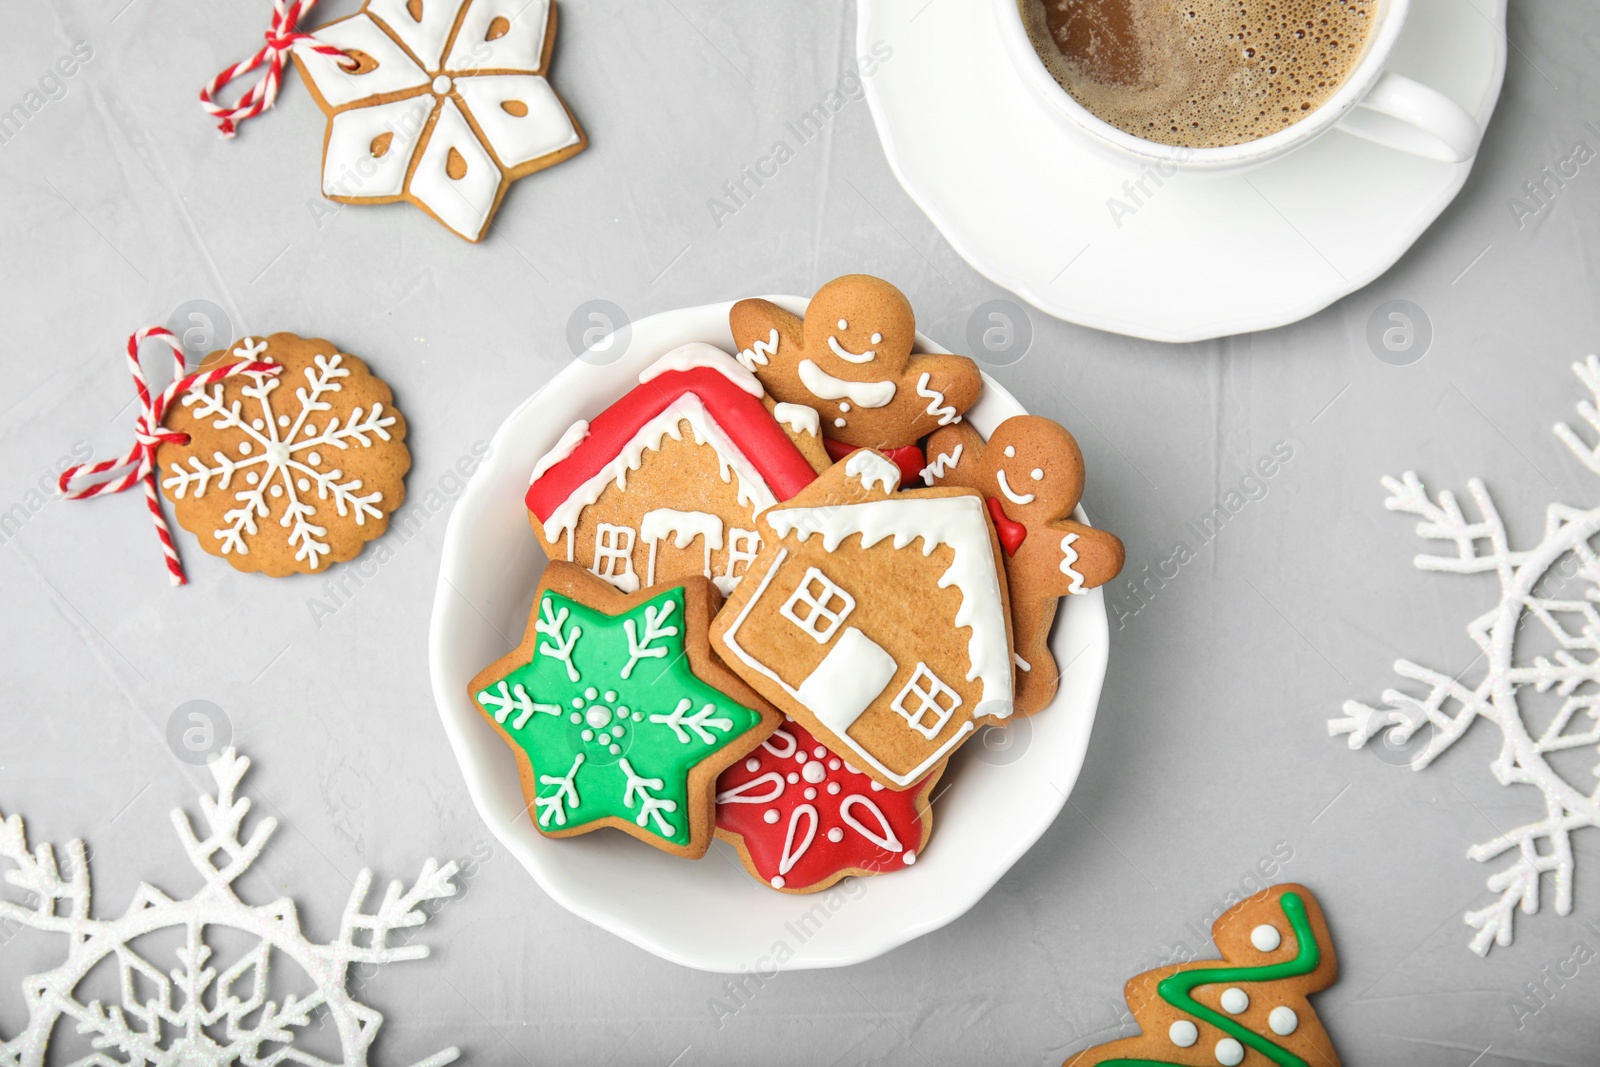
286, 473
802, 818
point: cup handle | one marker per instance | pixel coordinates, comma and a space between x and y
1414, 118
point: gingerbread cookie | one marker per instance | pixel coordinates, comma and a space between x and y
876, 619
617, 711
290, 472
851, 359
667, 481
1248, 1009
446, 106
1031, 475
802, 818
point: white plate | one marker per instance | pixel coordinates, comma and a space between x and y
712, 914
1025, 202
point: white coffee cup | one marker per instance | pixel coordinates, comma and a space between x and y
1373, 103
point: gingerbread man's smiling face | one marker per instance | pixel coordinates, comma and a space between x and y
1033, 467
860, 329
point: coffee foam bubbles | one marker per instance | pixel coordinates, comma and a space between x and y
1200, 73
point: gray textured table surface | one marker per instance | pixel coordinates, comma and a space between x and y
1210, 752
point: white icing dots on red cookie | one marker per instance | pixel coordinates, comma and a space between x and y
804, 815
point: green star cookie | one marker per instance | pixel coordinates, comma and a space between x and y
618, 712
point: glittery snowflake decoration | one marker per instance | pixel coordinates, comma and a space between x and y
289, 471
1545, 706
193, 1015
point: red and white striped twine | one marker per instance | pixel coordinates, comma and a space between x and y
281, 40
148, 436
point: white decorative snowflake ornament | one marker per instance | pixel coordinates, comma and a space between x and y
193, 1015
286, 472
446, 107
1546, 706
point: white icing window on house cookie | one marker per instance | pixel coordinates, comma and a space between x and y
613, 556
742, 548
926, 703
818, 606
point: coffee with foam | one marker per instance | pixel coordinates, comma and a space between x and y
1200, 73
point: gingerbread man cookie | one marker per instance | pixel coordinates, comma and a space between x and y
851, 359
1031, 476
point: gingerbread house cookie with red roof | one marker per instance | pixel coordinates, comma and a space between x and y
667, 482
876, 619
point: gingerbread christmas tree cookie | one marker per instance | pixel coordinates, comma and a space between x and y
617, 711
288, 472
1248, 1009
1031, 475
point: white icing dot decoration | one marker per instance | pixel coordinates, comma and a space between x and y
752, 765
1037, 474
245, 448
598, 716
638, 716
258, 424
576, 718
819, 752
1229, 1052
577, 702
252, 477
314, 457
810, 794
617, 729
304, 485
1235, 1000
1183, 1033
276, 490
911, 857
587, 735
1265, 938
604, 739
833, 765
611, 694
615, 750
591, 692
843, 325
1283, 1020
813, 773
836, 835
1011, 453
777, 883
877, 338
800, 757
833, 789
283, 420
770, 815
839, 423
792, 777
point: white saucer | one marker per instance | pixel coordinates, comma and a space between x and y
711, 914
1025, 203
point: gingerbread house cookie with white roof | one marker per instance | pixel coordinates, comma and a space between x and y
667, 482
877, 619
